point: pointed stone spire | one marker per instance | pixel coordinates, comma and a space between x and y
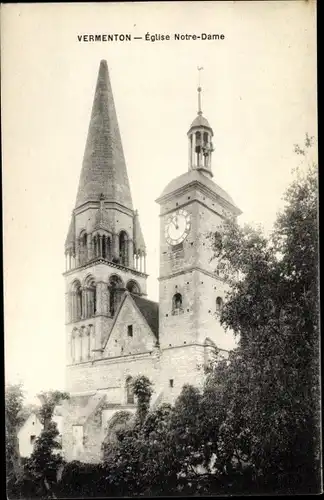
104, 168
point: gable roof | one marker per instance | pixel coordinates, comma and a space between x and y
150, 311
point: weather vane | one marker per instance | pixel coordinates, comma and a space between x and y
199, 90
199, 70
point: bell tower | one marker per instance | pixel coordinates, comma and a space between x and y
104, 248
190, 291
200, 137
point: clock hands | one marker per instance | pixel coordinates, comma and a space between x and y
175, 222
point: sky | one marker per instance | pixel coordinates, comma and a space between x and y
259, 95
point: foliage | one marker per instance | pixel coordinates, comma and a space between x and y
49, 401
44, 465
255, 425
14, 418
143, 391
271, 385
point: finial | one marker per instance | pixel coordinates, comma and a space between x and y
199, 90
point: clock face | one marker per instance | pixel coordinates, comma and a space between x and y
177, 227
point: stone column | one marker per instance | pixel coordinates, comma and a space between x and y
68, 307
83, 299
73, 308
189, 153
88, 342
92, 340
130, 252
77, 252
145, 263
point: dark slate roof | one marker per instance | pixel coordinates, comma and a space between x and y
150, 311
193, 176
200, 121
104, 167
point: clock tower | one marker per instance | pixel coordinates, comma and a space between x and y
191, 293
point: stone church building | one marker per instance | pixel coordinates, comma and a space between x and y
114, 332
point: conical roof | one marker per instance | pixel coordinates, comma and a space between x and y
104, 168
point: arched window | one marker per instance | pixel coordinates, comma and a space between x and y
90, 297
130, 400
133, 287
76, 302
83, 250
115, 293
108, 250
123, 248
95, 246
198, 142
177, 303
219, 304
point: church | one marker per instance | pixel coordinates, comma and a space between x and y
114, 332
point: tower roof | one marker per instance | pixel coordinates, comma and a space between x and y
194, 177
104, 168
200, 121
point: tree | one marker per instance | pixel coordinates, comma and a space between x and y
45, 461
143, 390
271, 385
14, 418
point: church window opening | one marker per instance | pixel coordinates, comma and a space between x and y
123, 248
171, 382
219, 304
32, 439
130, 399
177, 303
115, 293
198, 142
130, 330
76, 302
94, 246
83, 251
104, 247
92, 299
108, 252
133, 287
